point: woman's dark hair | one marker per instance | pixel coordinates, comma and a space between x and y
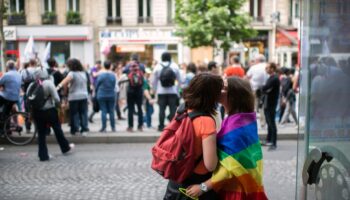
273, 66
192, 68
51, 62
203, 92
240, 96
74, 65
107, 64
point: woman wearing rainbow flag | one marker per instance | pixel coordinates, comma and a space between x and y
239, 173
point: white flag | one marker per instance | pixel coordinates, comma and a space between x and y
29, 51
46, 55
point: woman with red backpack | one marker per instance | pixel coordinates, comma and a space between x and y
201, 96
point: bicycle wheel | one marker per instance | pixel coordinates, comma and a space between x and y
19, 128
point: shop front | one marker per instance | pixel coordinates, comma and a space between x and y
287, 47
148, 43
66, 42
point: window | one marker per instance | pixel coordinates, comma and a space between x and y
144, 8
16, 6
255, 9
296, 10
73, 5
113, 8
49, 5
171, 11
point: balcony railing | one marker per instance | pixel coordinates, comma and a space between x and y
144, 20
114, 20
49, 18
16, 19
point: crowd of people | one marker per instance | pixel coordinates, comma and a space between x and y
136, 87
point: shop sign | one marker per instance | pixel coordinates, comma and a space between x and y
139, 35
10, 33
130, 48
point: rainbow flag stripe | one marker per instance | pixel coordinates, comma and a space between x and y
239, 175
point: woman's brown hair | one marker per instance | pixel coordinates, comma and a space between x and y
240, 96
203, 92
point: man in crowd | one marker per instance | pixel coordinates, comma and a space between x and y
257, 77
271, 92
10, 85
164, 76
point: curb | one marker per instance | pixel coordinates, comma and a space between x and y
115, 138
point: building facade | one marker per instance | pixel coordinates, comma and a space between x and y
87, 30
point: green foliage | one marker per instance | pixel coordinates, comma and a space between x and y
73, 17
206, 22
49, 18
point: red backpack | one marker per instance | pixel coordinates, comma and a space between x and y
173, 154
135, 76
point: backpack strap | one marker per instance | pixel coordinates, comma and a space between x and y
194, 114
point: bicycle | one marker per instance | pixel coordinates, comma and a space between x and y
13, 127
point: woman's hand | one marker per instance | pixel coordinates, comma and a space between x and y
194, 191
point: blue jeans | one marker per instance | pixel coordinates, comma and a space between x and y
78, 111
148, 116
107, 105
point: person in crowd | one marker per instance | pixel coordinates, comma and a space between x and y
257, 77
27, 74
271, 93
47, 117
213, 68
202, 68
77, 96
93, 73
117, 69
235, 69
191, 71
53, 71
135, 70
150, 98
238, 148
168, 93
105, 93
10, 84
201, 95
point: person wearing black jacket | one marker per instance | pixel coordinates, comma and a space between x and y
271, 91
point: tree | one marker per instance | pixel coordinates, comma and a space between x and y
3, 10
214, 23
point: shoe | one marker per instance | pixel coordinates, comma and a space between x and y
272, 148
103, 130
113, 130
129, 129
160, 129
84, 134
84, 130
266, 143
121, 118
140, 128
71, 149
50, 158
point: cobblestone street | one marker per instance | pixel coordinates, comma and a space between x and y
113, 171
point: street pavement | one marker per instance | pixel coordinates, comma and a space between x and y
114, 171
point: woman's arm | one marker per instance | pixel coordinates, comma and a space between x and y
195, 190
209, 152
64, 82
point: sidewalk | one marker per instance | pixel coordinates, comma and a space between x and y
148, 135
289, 131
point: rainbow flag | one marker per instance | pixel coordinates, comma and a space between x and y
239, 175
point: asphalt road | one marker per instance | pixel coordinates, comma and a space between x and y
114, 171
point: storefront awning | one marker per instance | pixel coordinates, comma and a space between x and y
286, 38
